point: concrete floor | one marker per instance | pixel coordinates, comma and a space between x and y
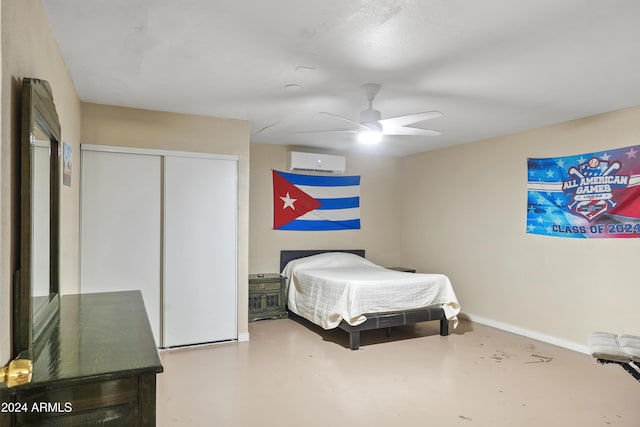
293, 373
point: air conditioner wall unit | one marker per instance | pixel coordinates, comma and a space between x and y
314, 162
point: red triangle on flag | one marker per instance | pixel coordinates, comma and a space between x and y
289, 202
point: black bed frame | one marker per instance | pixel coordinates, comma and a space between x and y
376, 320
630, 367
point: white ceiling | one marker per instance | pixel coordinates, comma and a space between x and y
492, 67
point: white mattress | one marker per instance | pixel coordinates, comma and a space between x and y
332, 287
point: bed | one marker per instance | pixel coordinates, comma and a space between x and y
341, 289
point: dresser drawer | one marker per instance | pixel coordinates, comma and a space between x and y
79, 404
265, 286
117, 416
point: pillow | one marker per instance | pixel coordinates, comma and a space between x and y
326, 260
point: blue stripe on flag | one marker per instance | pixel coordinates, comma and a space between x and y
320, 180
352, 224
344, 203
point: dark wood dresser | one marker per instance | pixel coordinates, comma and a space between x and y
97, 365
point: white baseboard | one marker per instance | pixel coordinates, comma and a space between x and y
581, 348
242, 337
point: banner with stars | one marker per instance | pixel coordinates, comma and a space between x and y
315, 202
592, 195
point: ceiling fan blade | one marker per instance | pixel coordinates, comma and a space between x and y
405, 130
329, 131
265, 128
394, 122
360, 126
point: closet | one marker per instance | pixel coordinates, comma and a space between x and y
165, 223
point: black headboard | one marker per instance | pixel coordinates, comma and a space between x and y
286, 256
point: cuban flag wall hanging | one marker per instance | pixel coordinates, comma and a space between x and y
315, 202
586, 195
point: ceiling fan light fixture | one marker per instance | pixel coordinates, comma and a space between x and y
370, 136
371, 127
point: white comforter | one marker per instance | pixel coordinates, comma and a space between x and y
330, 287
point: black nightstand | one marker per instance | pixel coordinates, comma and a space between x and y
266, 296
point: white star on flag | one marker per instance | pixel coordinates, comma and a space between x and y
288, 202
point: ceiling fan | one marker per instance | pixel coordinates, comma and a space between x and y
372, 126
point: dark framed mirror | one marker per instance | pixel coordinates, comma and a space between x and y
36, 293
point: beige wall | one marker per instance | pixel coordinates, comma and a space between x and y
30, 50
127, 127
468, 220
379, 199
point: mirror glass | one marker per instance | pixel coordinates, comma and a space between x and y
40, 218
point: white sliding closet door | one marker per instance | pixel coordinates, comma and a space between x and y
200, 199
121, 223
